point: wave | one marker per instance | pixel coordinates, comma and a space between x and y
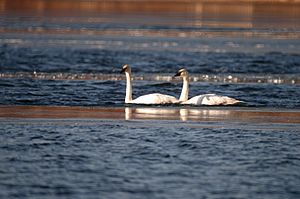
220, 78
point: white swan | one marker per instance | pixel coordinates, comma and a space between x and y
155, 98
205, 99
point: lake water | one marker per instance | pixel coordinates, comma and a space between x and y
67, 133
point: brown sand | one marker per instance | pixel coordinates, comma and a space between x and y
232, 114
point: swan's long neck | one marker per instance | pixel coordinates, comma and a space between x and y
128, 97
184, 96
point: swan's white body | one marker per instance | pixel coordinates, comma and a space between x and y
154, 98
205, 99
211, 99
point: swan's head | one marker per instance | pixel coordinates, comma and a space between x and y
181, 73
125, 69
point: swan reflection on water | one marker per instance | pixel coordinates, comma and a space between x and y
183, 114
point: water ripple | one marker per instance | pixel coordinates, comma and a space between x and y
234, 78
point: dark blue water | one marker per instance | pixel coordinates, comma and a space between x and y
54, 54
109, 159
273, 68
111, 93
267, 68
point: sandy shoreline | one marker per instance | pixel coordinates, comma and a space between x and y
217, 114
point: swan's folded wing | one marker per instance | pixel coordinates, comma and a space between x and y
211, 99
155, 98
199, 99
219, 100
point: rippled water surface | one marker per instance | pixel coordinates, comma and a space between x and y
66, 132
92, 158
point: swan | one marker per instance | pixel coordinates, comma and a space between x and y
205, 99
154, 98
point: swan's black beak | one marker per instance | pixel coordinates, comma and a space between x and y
177, 74
123, 70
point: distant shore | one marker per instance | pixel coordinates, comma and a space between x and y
237, 8
209, 1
